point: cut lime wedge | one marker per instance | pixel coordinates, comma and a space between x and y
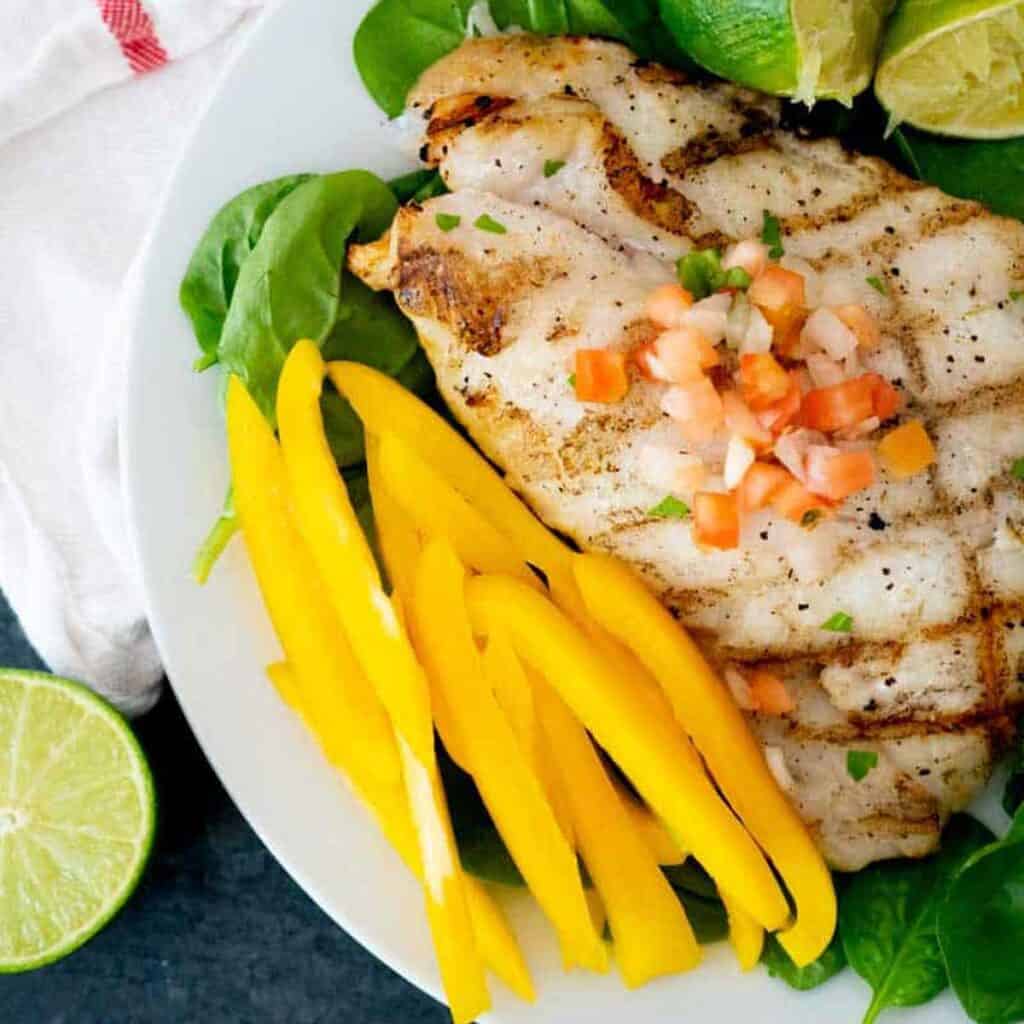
955, 67
77, 813
807, 49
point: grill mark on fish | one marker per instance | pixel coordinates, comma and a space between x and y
655, 202
712, 145
474, 303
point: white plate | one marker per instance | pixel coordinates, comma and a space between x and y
293, 102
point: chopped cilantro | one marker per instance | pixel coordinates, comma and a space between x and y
737, 277
771, 234
572, 380
859, 763
552, 167
839, 623
878, 284
1016, 295
448, 221
670, 508
485, 222
1017, 469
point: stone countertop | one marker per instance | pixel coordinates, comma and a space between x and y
217, 933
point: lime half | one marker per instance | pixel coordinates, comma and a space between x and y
807, 49
955, 67
77, 813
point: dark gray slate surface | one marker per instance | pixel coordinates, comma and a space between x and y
217, 933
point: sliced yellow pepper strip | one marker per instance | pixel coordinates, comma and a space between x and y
650, 748
511, 791
515, 692
329, 525
331, 530
401, 547
619, 601
385, 406
745, 935
438, 510
657, 838
650, 933
497, 941
396, 532
339, 703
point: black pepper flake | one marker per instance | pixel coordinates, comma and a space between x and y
876, 522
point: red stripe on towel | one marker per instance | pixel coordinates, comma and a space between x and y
133, 29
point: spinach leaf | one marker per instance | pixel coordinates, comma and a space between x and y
888, 920
981, 931
399, 39
697, 892
778, 964
418, 186
990, 172
217, 261
290, 287
1013, 796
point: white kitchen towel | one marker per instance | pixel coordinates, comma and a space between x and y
91, 125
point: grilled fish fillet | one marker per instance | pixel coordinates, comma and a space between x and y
649, 165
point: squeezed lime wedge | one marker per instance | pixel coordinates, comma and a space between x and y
955, 67
808, 49
77, 815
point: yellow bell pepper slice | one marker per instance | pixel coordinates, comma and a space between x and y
510, 790
401, 546
650, 933
438, 510
329, 525
385, 406
339, 704
396, 533
332, 532
620, 602
650, 748
667, 852
515, 693
497, 941
746, 936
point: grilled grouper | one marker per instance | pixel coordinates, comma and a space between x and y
577, 175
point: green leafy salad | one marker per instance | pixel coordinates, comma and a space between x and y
270, 270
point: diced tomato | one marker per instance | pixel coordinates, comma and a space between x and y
838, 475
793, 501
763, 380
885, 397
906, 450
685, 353
760, 484
780, 415
601, 375
862, 323
788, 343
742, 422
768, 693
667, 305
841, 405
781, 297
696, 407
716, 520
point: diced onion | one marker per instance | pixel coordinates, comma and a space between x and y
739, 688
812, 281
710, 316
750, 255
739, 457
825, 330
759, 334
776, 759
824, 370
